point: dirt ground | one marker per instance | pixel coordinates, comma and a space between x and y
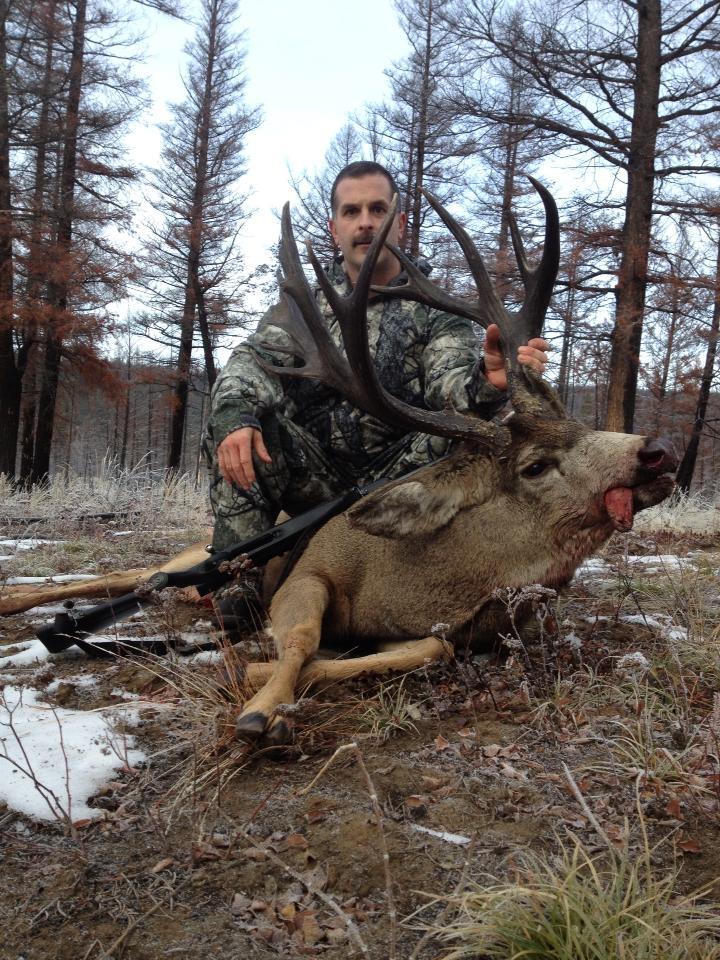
210, 850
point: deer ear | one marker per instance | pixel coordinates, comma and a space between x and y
424, 504
410, 509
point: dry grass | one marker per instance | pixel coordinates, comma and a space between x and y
682, 514
389, 712
581, 907
146, 499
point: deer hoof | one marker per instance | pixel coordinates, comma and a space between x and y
278, 734
250, 726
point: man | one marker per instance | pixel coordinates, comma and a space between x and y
288, 444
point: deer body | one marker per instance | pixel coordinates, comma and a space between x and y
436, 546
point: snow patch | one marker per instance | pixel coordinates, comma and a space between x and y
632, 666
29, 543
52, 760
80, 680
58, 578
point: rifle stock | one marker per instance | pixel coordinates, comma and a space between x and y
69, 628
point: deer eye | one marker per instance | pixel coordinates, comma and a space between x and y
537, 468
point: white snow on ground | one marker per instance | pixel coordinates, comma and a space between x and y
59, 578
52, 760
205, 656
664, 626
28, 543
594, 567
29, 651
667, 560
80, 680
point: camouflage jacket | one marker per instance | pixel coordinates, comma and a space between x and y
423, 356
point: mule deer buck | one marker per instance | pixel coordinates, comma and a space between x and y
519, 502
516, 503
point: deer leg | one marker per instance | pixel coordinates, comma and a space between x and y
297, 616
395, 657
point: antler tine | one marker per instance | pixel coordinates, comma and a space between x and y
519, 248
355, 377
421, 290
303, 321
489, 302
540, 281
515, 328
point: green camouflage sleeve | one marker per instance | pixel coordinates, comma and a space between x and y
454, 370
244, 391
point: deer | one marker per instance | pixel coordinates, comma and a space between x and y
515, 503
519, 501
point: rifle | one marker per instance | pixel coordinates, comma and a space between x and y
70, 628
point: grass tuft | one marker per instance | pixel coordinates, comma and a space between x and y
390, 712
579, 908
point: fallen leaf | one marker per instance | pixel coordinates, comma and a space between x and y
162, 865
288, 912
306, 923
690, 846
432, 783
297, 841
240, 904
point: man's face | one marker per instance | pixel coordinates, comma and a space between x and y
360, 208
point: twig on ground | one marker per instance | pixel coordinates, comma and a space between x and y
128, 932
315, 891
586, 809
372, 792
49, 796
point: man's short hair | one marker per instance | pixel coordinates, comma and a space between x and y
361, 168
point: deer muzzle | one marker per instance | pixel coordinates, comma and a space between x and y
656, 458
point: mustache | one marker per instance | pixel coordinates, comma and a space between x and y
365, 239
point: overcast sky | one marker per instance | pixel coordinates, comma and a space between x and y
309, 63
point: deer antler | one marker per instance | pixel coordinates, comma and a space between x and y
516, 328
353, 375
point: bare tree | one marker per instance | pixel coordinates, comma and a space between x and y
687, 464
625, 85
194, 265
312, 190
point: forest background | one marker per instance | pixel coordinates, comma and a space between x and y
125, 277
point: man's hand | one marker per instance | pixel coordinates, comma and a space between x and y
534, 354
235, 456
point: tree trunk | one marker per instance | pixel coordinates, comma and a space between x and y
10, 377
687, 466
632, 276
37, 253
204, 326
58, 287
192, 283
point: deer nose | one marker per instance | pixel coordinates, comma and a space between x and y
658, 456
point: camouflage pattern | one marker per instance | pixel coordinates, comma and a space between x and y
319, 442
